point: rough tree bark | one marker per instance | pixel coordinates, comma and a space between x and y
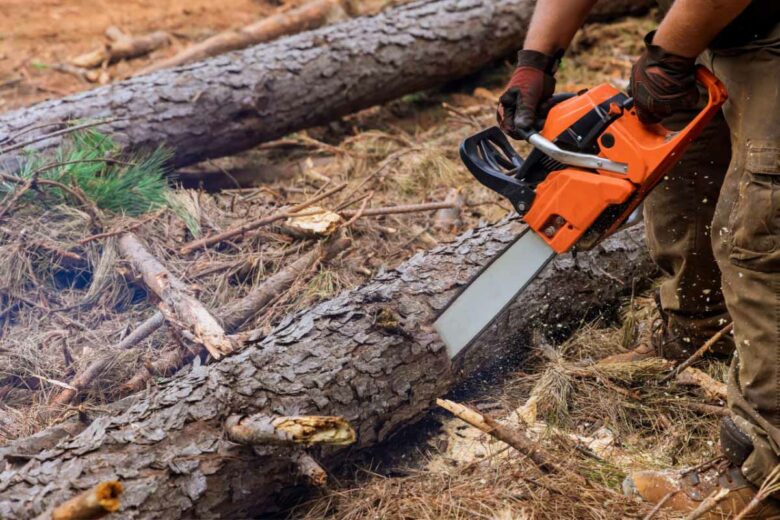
368, 355
310, 15
232, 102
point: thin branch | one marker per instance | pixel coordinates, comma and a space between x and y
15, 196
360, 212
254, 224
660, 505
699, 353
395, 210
708, 504
517, 439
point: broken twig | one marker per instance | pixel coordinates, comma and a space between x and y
708, 504
699, 353
310, 469
307, 430
176, 304
538, 455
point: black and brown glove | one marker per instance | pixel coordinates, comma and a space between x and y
532, 84
662, 83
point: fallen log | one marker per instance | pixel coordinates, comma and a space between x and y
233, 102
368, 355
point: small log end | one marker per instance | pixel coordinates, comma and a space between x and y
94, 503
108, 494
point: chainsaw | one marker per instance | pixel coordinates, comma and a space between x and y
592, 164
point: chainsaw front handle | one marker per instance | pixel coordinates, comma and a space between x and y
568, 158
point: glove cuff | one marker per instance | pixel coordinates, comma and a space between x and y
658, 54
539, 60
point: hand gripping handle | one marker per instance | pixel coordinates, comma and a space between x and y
716, 96
658, 147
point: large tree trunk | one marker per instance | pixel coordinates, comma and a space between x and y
368, 355
230, 103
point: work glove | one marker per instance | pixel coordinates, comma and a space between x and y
662, 83
531, 85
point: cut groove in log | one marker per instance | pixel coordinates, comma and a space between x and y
176, 304
338, 358
230, 103
94, 503
308, 430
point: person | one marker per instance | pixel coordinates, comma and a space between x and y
713, 224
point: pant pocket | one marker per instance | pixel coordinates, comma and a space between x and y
755, 223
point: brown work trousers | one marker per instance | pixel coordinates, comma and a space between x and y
723, 197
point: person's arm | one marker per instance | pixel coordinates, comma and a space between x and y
690, 25
551, 30
554, 24
663, 80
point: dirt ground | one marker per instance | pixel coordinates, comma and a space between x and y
36, 35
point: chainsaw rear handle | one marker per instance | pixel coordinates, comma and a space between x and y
716, 96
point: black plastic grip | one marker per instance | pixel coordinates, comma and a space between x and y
493, 161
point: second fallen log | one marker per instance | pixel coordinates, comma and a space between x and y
368, 355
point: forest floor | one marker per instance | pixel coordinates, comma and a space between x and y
603, 421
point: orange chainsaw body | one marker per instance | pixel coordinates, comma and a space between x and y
578, 206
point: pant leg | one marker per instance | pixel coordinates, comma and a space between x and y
678, 215
746, 241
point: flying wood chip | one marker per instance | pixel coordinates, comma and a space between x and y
315, 221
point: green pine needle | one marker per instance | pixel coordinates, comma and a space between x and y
134, 186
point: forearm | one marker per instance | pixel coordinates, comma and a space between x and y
690, 25
554, 24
